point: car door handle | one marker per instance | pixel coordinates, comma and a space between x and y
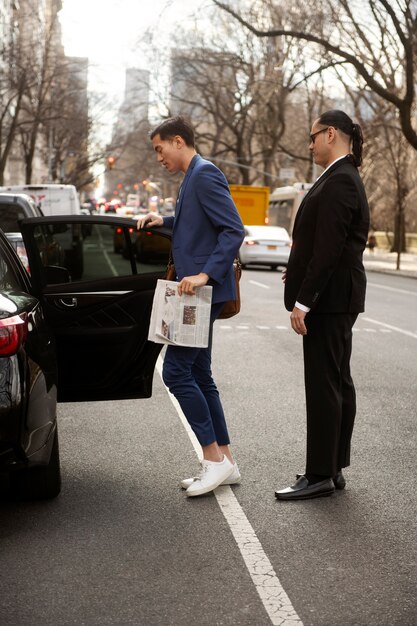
70, 303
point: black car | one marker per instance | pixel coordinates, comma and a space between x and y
66, 340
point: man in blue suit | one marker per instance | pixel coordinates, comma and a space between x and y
206, 235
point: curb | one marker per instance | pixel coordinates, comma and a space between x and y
383, 270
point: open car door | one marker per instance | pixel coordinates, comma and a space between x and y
95, 277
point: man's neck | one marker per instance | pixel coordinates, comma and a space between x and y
335, 156
188, 157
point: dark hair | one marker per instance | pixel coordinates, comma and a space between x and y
175, 126
343, 122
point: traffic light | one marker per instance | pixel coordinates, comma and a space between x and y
110, 162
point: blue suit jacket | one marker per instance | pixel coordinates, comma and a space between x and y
206, 230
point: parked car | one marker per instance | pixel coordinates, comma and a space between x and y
150, 248
265, 245
56, 199
119, 241
67, 341
13, 208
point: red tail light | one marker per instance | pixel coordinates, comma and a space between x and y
119, 230
13, 333
250, 242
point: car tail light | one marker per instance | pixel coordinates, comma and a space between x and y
148, 233
131, 230
119, 230
13, 333
250, 242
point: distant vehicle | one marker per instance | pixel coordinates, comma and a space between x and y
265, 245
55, 199
284, 203
149, 248
119, 239
132, 200
13, 208
52, 199
168, 206
251, 202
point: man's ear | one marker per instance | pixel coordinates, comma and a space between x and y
179, 141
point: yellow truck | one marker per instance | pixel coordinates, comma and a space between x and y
252, 203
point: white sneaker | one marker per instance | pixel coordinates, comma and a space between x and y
233, 479
212, 475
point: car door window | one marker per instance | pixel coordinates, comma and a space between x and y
98, 252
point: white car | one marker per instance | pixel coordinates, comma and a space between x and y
265, 245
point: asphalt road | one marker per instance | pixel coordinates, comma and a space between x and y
123, 545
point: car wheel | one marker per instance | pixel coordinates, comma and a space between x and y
38, 483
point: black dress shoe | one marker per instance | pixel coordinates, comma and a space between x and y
302, 490
339, 480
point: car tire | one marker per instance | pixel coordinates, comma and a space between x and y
38, 483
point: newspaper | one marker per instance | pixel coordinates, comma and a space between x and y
180, 320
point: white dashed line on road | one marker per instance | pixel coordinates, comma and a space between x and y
355, 330
275, 600
390, 327
254, 282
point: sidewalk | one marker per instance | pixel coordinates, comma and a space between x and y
386, 263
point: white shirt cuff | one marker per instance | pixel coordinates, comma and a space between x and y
306, 309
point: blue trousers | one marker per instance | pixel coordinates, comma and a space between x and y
187, 374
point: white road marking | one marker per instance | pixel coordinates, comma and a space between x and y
276, 602
105, 254
254, 282
398, 330
409, 293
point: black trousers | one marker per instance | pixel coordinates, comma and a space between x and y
330, 392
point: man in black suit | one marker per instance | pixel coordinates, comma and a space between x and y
325, 285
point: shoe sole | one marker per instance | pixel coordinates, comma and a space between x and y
203, 490
225, 482
288, 497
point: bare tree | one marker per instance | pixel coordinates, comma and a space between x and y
378, 38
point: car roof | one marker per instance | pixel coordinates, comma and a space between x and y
23, 201
266, 231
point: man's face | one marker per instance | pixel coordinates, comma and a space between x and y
168, 153
319, 146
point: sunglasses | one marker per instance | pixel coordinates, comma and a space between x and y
314, 135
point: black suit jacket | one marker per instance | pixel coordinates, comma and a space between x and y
325, 270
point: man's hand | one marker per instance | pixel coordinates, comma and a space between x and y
297, 321
189, 284
284, 276
151, 219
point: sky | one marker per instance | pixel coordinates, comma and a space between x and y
108, 32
